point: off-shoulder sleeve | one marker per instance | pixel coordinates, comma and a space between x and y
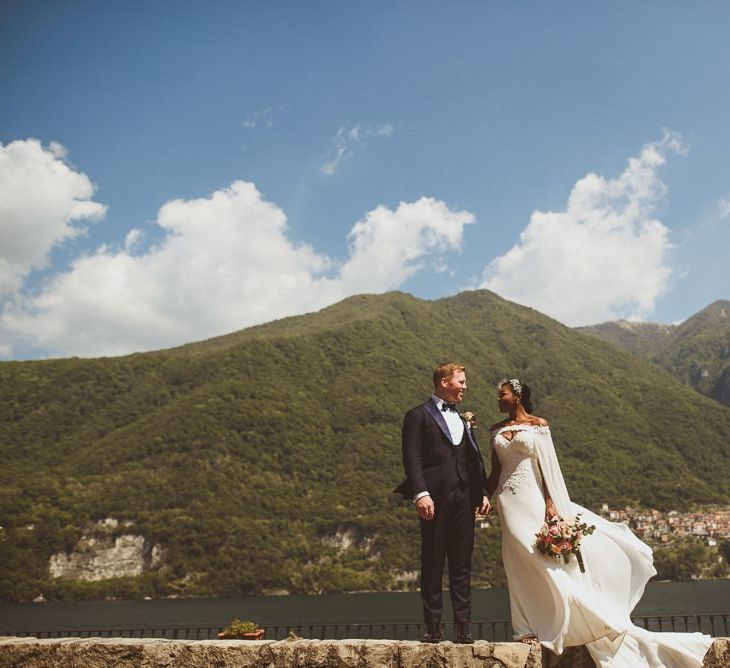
551, 473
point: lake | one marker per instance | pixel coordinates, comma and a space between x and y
660, 598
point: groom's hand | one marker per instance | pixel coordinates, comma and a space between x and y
425, 508
485, 508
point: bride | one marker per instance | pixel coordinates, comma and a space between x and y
555, 603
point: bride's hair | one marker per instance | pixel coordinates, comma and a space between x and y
525, 398
522, 390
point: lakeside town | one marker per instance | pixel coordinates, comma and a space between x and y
711, 524
687, 545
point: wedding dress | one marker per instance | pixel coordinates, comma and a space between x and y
555, 601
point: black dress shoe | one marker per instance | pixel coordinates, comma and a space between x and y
463, 635
433, 634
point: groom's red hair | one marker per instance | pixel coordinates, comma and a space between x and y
446, 371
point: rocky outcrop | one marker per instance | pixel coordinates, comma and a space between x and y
157, 653
344, 539
108, 550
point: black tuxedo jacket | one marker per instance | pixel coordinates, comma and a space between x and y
429, 457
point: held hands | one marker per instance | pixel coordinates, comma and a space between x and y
425, 508
485, 508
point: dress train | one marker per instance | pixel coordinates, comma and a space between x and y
558, 603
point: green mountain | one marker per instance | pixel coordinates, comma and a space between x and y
697, 352
644, 339
264, 460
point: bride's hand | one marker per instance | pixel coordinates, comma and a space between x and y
485, 508
550, 511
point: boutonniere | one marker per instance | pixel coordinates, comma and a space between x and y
470, 419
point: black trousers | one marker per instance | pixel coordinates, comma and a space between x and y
450, 534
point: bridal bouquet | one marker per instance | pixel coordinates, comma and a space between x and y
559, 538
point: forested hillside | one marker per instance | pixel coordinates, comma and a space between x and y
248, 457
644, 339
696, 352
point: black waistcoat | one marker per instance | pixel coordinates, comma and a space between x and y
460, 460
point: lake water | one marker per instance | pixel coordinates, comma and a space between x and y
660, 598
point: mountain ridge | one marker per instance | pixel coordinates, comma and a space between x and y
242, 456
696, 351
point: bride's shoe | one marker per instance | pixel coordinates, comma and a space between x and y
528, 640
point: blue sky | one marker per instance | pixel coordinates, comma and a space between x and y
170, 171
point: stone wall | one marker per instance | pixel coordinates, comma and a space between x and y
157, 653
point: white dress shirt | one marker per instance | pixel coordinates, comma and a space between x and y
456, 430
453, 421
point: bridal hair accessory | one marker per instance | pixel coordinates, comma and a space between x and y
470, 419
516, 385
559, 538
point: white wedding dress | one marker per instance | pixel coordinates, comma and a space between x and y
556, 602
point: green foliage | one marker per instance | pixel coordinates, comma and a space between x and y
644, 339
686, 559
237, 628
697, 352
152, 585
246, 456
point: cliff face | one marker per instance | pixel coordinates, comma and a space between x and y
104, 553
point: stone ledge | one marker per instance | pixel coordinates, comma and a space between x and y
161, 653
156, 652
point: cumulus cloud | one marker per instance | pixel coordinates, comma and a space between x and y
604, 257
44, 201
225, 263
349, 138
388, 246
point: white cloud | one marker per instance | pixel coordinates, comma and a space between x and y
262, 117
347, 139
43, 202
389, 246
133, 239
604, 257
723, 207
225, 263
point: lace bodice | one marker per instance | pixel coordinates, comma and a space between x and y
518, 455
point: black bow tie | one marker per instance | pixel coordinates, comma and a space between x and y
448, 407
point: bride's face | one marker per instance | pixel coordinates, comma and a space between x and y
506, 398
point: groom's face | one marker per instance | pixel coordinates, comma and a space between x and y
453, 388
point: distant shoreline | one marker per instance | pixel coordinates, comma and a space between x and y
660, 598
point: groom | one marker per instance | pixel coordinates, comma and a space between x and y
445, 477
